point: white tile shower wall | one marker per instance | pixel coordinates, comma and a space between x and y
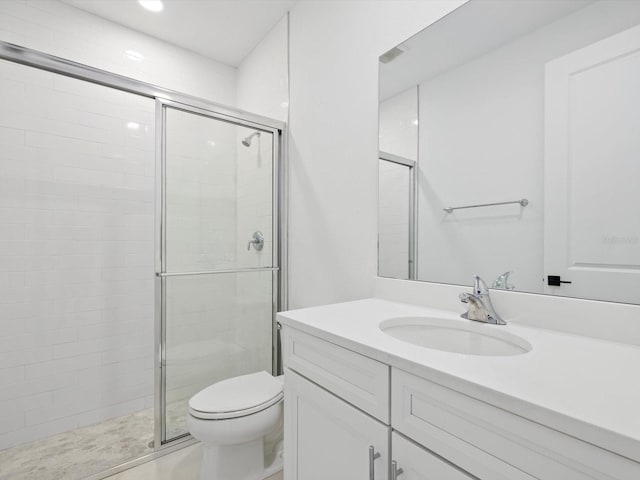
201, 192
398, 135
333, 148
59, 29
255, 199
76, 253
255, 207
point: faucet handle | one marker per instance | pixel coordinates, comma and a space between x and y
464, 297
502, 282
479, 286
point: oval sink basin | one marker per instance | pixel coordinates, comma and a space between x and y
457, 336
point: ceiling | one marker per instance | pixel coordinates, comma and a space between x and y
222, 30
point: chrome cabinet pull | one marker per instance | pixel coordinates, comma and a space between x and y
373, 456
395, 471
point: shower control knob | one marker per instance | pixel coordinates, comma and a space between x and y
257, 241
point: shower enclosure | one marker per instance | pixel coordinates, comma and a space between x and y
217, 265
140, 262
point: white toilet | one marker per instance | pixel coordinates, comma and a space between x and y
232, 419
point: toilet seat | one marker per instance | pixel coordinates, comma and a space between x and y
236, 397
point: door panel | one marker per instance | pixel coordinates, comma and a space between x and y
217, 281
592, 226
216, 327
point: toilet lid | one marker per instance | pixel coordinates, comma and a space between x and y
237, 396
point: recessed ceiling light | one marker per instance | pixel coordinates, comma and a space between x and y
133, 125
152, 5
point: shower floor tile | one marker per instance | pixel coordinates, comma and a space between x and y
79, 453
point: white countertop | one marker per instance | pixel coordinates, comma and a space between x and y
581, 386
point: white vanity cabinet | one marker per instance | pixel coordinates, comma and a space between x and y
413, 462
327, 438
337, 437
349, 416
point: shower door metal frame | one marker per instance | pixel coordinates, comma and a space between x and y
160, 248
62, 66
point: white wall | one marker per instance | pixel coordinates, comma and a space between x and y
263, 76
399, 124
334, 49
482, 140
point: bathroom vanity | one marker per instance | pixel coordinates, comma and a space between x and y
365, 400
500, 152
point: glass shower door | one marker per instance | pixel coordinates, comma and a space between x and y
396, 217
218, 262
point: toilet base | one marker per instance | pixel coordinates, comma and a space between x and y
233, 462
239, 462
276, 459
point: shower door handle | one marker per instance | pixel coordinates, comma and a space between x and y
257, 241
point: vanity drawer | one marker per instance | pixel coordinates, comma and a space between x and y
464, 430
359, 380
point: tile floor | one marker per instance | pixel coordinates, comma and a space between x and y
181, 465
79, 453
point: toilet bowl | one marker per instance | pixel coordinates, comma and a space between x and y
232, 419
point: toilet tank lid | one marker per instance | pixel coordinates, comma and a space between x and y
237, 393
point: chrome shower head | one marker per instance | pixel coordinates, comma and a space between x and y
247, 141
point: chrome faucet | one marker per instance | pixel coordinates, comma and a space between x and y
480, 306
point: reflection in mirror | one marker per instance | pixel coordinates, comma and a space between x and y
396, 185
395, 217
532, 100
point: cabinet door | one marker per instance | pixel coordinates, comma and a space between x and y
418, 463
327, 438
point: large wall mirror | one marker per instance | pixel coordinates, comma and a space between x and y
510, 148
